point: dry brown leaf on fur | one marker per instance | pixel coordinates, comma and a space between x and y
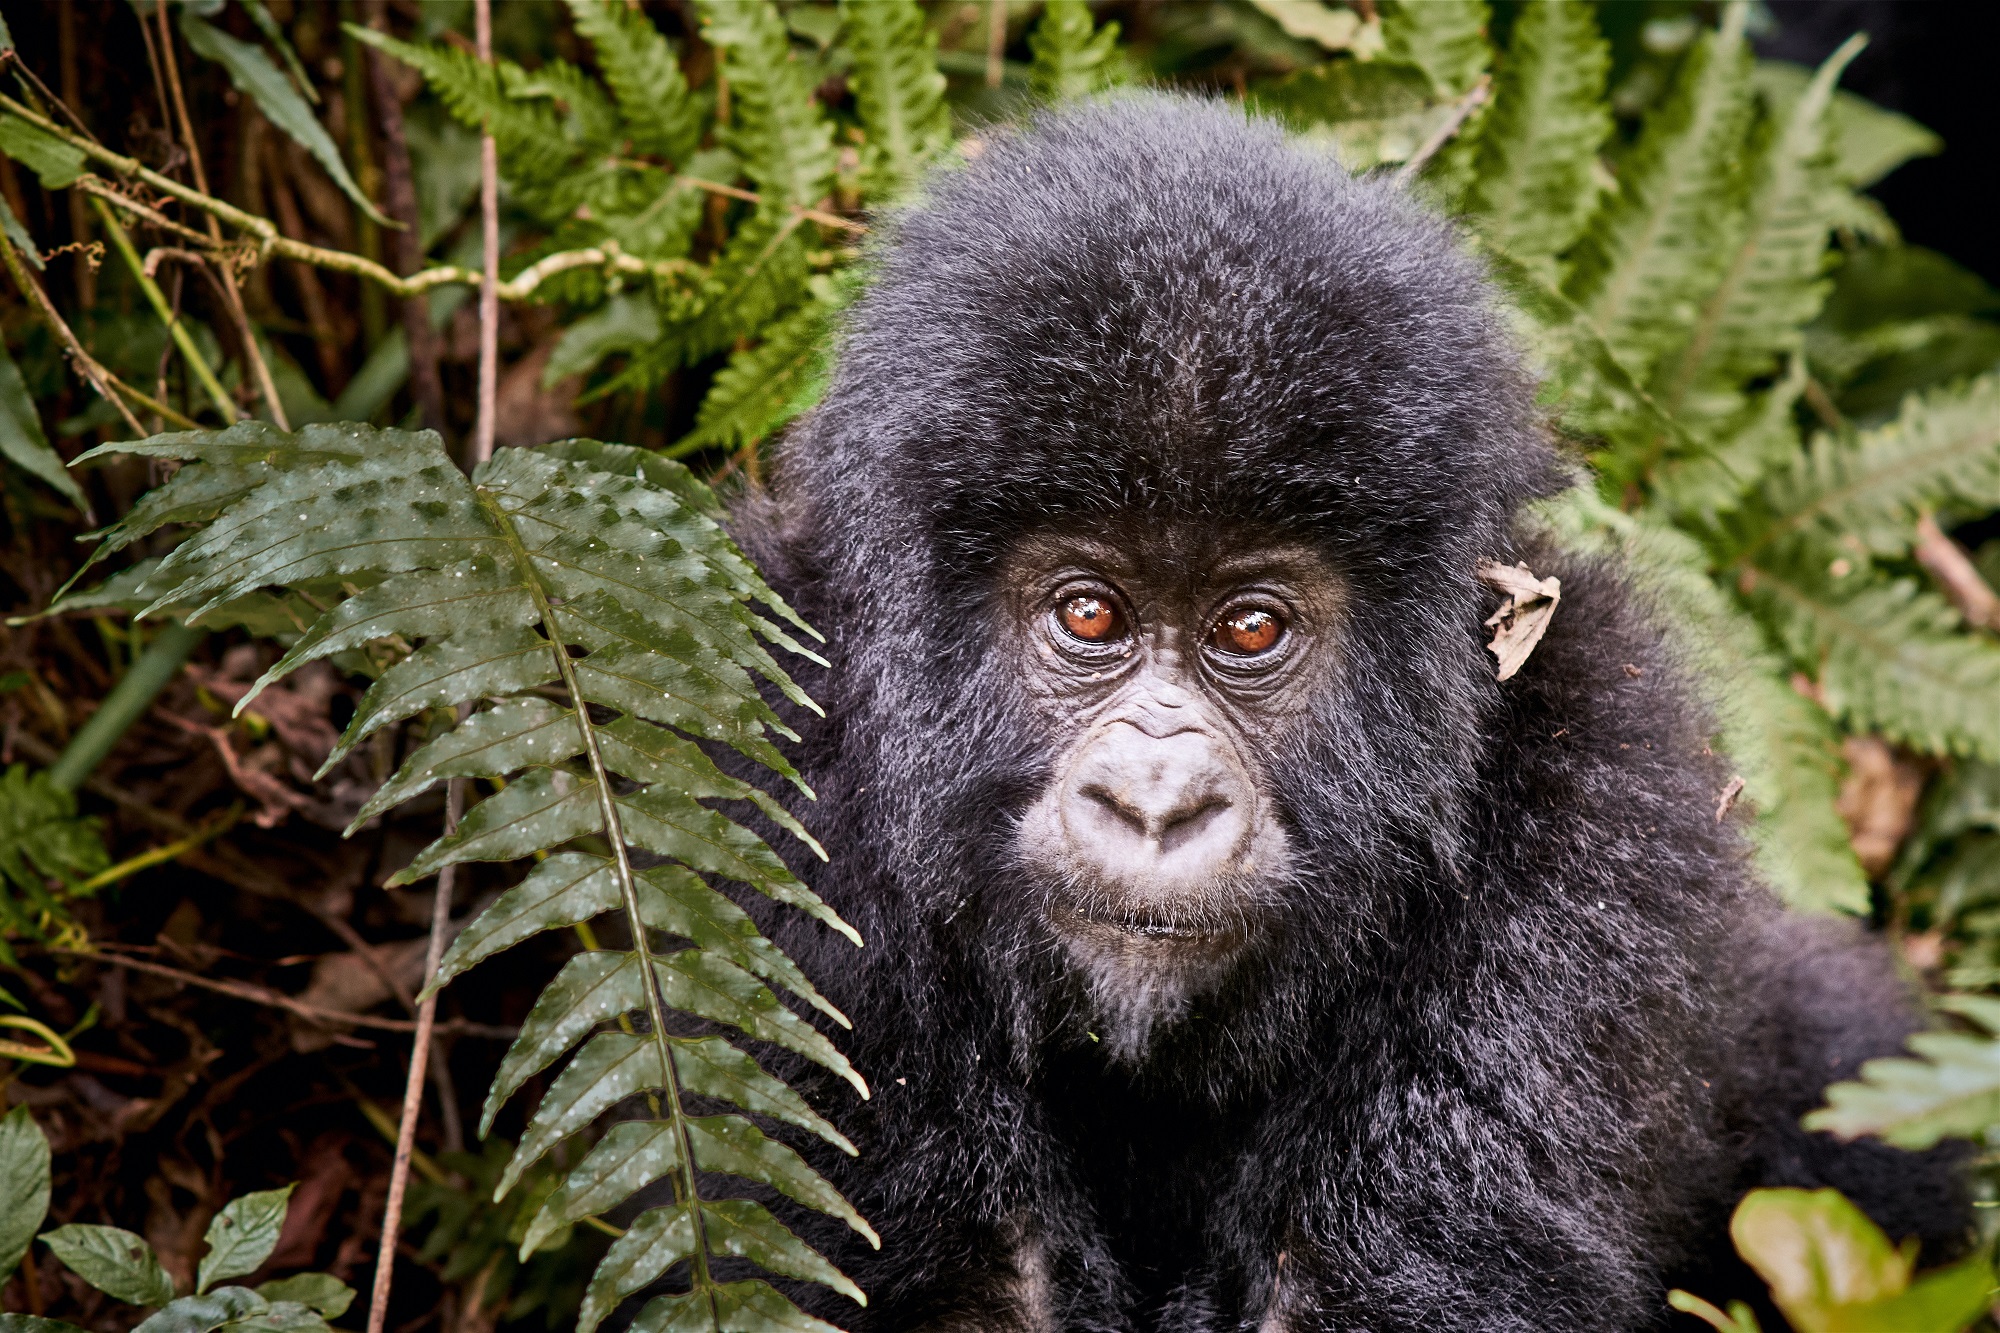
1523, 618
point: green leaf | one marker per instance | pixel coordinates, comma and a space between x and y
591, 988
711, 1067
1943, 448
776, 127
116, 1262
740, 1307
1534, 190
238, 1310
55, 163
24, 1184
1773, 284
46, 849
731, 1144
1831, 1270
631, 1155
1869, 142
18, 234
28, 1323
763, 388
748, 1231
322, 1291
1889, 656
898, 94
1072, 57
661, 1238
583, 601
698, 982
256, 77
22, 442
274, 33
243, 1235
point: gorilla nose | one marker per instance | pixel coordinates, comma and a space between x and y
1141, 808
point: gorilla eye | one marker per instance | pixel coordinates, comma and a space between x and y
1248, 630
1091, 618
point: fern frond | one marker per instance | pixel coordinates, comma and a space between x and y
1952, 1090
582, 599
1446, 39
1735, 456
1943, 447
780, 132
1533, 191
46, 849
898, 91
555, 161
528, 134
765, 386
1782, 744
643, 75
1659, 246
1072, 57
1773, 286
1889, 657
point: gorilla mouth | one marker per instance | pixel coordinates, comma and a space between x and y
1108, 923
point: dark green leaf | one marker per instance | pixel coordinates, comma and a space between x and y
243, 1235
24, 1184
116, 1262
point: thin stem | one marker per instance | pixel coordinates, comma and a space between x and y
312, 1013
86, 364
182, 338
1461, 111
232, 298
489, 284
413, 1087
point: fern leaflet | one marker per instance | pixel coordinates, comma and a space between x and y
1533, 192
1651, 254
1072, 57
639, 66
898, 92
1773, 286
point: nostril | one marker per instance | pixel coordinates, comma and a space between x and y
1170, 823
1121, 810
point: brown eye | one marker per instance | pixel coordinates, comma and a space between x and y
1091, 618
1247, 631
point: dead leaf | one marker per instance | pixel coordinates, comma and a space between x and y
346, 982
1878, 800
1523, 618
1727, 801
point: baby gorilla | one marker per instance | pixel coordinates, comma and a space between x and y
1241, 954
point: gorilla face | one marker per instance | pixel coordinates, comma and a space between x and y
1168, 665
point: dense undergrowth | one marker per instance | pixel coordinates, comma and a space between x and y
246, 234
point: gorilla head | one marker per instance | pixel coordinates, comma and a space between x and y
1159, 531
1241, 953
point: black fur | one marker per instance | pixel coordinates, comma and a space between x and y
1531, 1027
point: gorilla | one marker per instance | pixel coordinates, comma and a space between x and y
1241, 953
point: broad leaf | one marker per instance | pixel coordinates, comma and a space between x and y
243, 1235
114, 1261
24, 1184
